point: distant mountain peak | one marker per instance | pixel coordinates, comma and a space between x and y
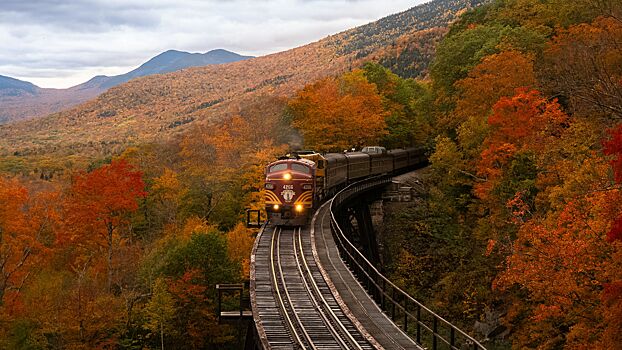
169, 61
21, 99
15, 87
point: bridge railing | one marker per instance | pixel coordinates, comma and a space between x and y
420, 323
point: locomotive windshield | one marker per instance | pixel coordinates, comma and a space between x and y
278, 167
301, 168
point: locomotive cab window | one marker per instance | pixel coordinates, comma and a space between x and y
301, 168
278, 167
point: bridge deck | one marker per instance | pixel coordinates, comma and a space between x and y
349, 293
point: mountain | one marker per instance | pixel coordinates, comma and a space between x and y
14, 87
166, 62
159, 107
21, 100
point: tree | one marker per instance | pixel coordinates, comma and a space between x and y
498, 75
160, 310
239, 244
219, 160
408, 104
584, 65
99, 203
25, 228
334, 114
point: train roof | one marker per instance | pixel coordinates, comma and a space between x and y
304, 161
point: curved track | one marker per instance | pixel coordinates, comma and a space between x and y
308, 314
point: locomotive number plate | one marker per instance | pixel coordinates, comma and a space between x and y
288, 187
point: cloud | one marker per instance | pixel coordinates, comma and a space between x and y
59, 43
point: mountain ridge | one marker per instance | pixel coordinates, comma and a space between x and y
165, 62
12, 87
21, 99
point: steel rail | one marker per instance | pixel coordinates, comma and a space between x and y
276, 235
346, 344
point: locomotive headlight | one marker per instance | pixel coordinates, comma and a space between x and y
287, 176
307, 187
299, 207
269, 186
275, 207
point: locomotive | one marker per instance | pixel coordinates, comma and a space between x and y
297, 183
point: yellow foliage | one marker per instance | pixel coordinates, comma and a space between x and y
239, 244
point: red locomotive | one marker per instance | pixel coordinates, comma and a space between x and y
290, 185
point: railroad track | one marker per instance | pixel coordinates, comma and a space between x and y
308, 315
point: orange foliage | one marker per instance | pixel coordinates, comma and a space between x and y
497, 76
239, 244
526, 119
193, 307
25, 223
562, 264
337, 114
491, 164
524, 122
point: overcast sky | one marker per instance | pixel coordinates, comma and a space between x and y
61, 43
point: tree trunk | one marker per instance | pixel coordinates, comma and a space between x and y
162, 334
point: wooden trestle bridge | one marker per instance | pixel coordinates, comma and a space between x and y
312, 288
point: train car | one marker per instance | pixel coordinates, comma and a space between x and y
336, 172
416, 156
358, 165
290, 188
381, 163
400, 159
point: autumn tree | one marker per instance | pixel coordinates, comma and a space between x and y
167, 191
240, 243
525, 122
218, 160
160, 310
339, 113
497, 76
584, 65
25, 228
194, 262
408, 103
98, 204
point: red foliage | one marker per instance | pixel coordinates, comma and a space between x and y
613, 147
615, 233
100, 199
188, 289
99, 203
611, 292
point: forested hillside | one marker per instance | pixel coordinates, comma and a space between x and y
157, 107
518, 233
21, 100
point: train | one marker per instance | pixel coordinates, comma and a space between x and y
299, 182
